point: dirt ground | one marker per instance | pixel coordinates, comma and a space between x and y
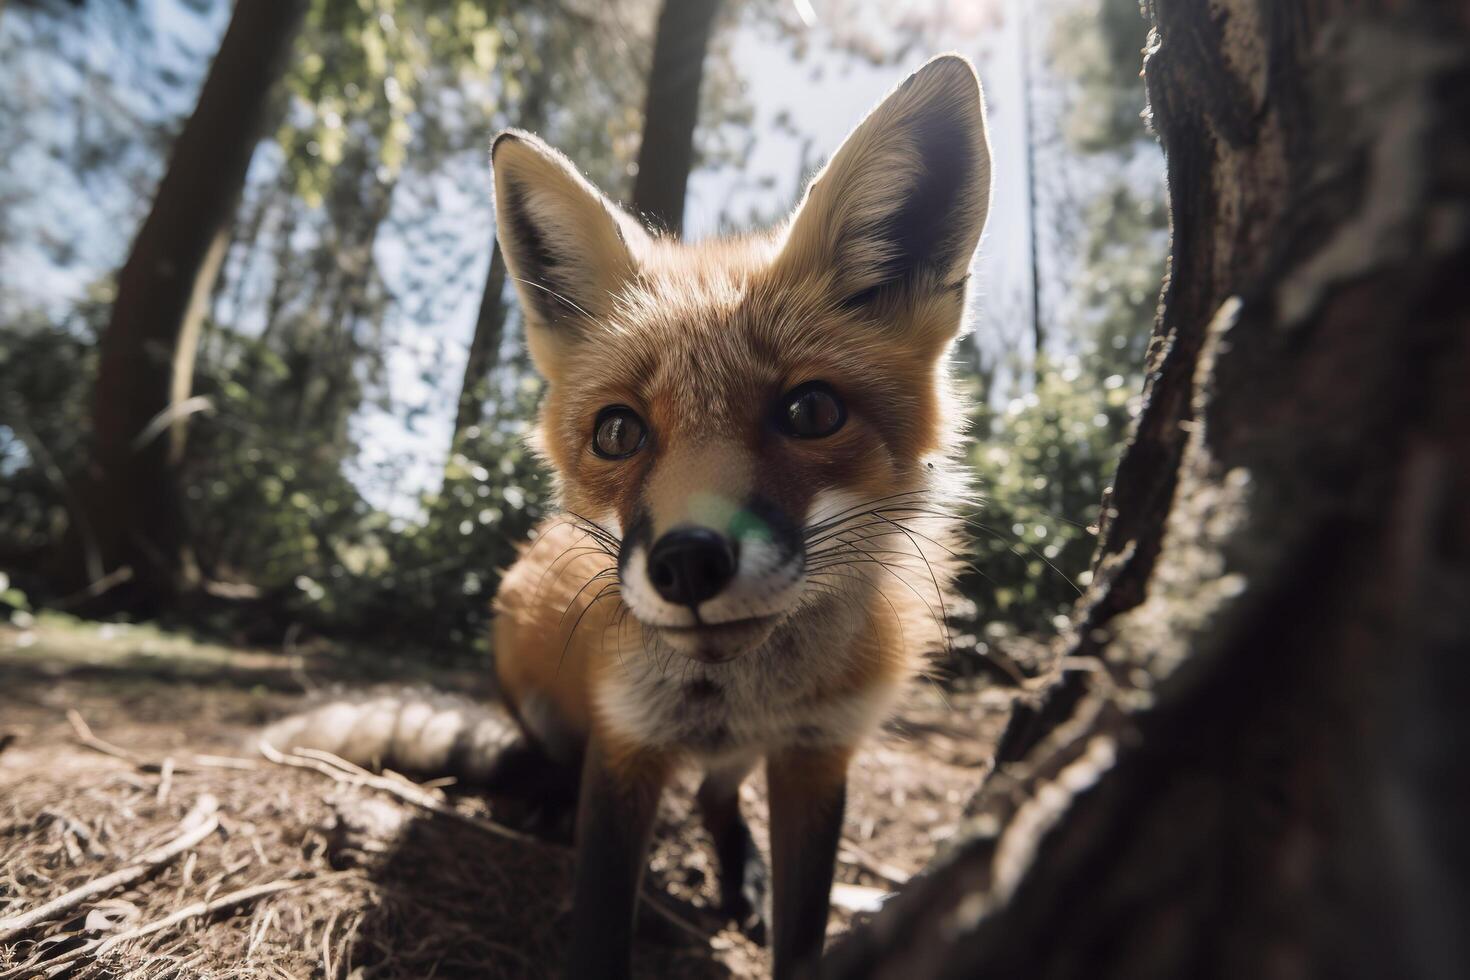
301, 874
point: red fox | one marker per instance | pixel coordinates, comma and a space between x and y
752, 439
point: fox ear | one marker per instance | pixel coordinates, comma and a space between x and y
568, 248
904, 199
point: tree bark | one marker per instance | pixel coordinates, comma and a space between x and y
666, 154
147, 351
484, 348
1252, 764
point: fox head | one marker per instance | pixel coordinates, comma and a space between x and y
718, 408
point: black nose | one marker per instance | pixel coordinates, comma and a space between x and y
689, 565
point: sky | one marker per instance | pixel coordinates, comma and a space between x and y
51, 249
52, 74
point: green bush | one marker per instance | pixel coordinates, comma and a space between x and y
442, 572
1041, 463
44, 399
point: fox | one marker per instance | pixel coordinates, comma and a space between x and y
753, 441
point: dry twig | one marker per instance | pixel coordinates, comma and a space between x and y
345, 772
87, 737
198, 824
238, 897
101, 947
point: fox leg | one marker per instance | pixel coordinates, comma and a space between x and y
615, 813
742, 868
808, 790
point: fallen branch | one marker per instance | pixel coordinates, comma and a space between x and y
84, 735
99, 586
238, 897
88, 738
165, 781
198, 824
345, 772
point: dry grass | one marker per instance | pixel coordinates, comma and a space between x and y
313, 874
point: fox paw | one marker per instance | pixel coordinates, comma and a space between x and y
746, 904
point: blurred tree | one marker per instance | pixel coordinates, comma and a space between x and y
666, 153
1029, 83
484, 350
1097, 45
489, 331
672, 108
146, 361
671, 111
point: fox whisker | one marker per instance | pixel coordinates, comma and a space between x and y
561, 521
900, 513
596, 530
575, 551
942, 621
1009, 540
889, 567
847, 513
864, 583
601, 594
605, 573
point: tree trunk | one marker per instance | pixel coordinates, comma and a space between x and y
1253, 766
490, 321
666, 154
147, 352
484, 348
665, 159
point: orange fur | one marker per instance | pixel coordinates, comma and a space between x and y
828, 599
697, 337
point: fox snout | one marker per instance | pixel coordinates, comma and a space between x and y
689, 565
714, 589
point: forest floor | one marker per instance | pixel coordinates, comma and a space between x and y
116, 742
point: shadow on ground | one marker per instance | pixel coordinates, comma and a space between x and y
453, 903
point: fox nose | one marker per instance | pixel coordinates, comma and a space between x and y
689, 565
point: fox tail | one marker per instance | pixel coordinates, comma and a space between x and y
419, 733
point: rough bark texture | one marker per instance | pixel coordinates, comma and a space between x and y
1252, 763
667, 152
147, 352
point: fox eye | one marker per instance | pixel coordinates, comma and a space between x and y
811, 411
618, 432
